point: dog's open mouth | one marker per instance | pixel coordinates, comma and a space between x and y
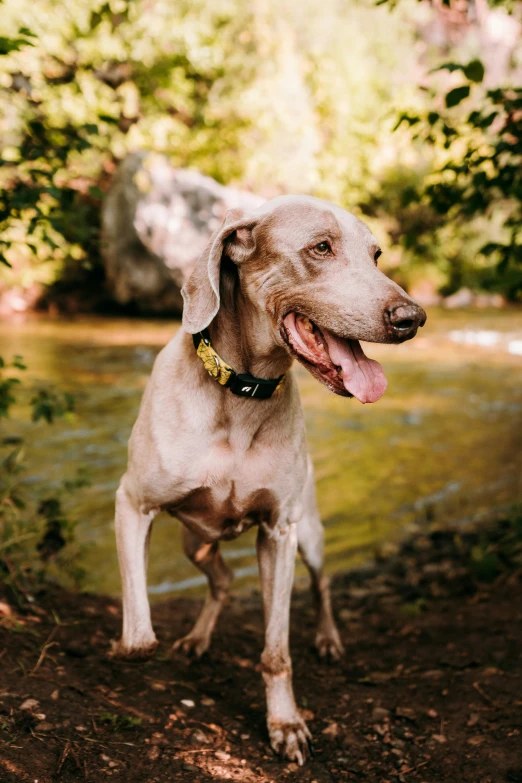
339, 363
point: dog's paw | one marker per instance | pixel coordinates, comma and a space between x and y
291, 741
329, 645
121, 651
192, 645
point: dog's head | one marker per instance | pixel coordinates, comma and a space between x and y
311, 267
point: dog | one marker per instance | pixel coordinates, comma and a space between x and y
219, 441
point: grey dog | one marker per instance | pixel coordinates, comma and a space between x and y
220, 438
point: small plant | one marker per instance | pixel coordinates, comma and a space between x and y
499, 551
33, 526
50, 405
414, 608
484, 562
8, 384
119, 722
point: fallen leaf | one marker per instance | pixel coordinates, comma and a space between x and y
374, 678
199, 737
379, 714
30, 704
331, 731
405, 712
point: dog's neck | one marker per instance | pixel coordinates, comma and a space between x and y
243, 335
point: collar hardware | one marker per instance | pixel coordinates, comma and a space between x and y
240, 384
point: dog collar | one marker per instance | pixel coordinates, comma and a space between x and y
241, 384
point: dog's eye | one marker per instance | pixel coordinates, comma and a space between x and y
323, 248
378, 254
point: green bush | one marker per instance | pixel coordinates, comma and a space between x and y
88, 82
476, 141
277, 96
36, 537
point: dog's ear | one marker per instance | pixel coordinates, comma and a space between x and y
201, 291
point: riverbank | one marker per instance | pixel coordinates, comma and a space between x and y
429, 689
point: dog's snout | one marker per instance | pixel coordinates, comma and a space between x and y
403, 319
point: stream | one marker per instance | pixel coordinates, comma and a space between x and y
443, 445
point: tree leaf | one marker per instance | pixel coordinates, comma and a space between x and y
458, 94
451, 67
25, 31
474, 71
8, 45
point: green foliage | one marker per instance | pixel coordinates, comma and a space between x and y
414, 608
119, 722
492, 555
454, 211
479, 172
49, 405
8, 384
24, 37
89, 82
484, 563
277, 96
280, 97
455, 96
33, 525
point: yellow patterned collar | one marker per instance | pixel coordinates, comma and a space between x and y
241, 384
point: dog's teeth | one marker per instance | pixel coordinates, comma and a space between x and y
307, 324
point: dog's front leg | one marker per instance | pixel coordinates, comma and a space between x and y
276, 550
132, 537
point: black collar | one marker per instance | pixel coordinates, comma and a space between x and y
241, 384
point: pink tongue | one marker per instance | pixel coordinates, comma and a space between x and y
362, 377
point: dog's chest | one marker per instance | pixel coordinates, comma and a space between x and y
231, 491
222, 513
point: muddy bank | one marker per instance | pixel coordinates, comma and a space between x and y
429, 689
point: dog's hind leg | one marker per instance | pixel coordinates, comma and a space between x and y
133, 528
310, 539
208, 559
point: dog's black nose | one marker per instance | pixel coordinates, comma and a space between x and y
403, 319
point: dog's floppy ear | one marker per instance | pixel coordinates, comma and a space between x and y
201, 291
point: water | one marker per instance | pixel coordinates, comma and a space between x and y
443, 444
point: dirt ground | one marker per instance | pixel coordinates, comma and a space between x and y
430, 688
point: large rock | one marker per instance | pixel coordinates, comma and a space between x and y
156, 221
